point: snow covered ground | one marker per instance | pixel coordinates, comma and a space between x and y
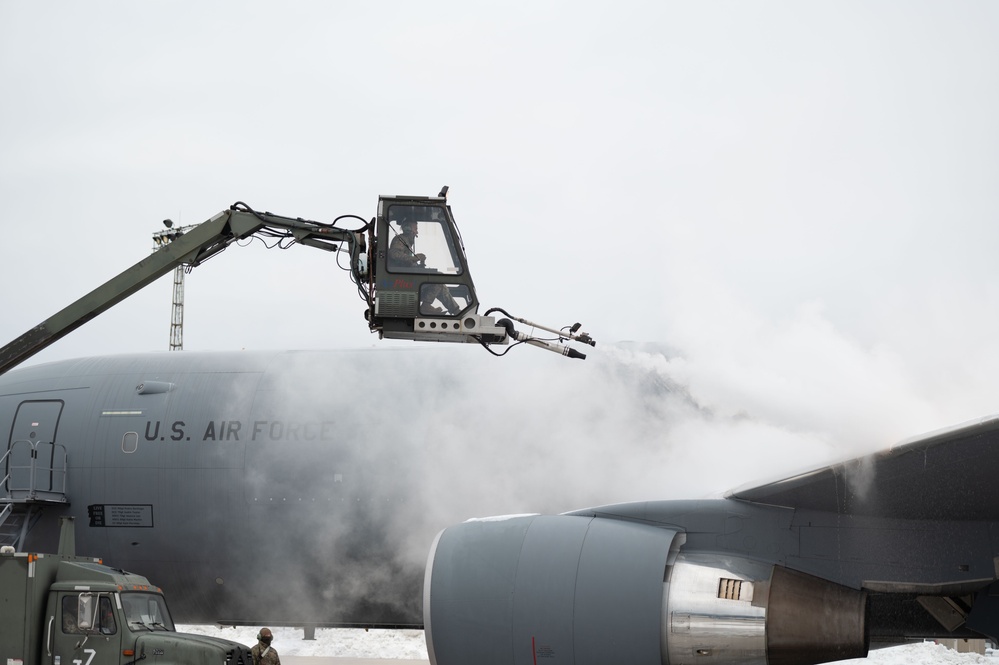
409, 644
335, 642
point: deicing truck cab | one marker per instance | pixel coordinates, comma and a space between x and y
63, 609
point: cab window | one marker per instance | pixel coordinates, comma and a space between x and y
420, 241
103, 618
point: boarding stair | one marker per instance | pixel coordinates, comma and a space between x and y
34, 478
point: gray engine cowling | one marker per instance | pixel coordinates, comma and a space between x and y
581, 590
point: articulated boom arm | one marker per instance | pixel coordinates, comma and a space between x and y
192, 248
414, 289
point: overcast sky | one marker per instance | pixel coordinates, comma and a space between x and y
798, 199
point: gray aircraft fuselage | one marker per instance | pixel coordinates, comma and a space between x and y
308, 488
273, 486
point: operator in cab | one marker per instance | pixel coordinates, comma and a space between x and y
403, 257
402, 251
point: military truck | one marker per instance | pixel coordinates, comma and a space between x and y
63, 609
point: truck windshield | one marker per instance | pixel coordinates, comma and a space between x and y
146, 610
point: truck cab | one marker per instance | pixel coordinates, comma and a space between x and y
63, 609
102, 616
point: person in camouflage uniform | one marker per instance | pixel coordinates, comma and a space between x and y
402, 254
402, 250
263, 652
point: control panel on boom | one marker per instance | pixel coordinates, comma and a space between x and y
408, 263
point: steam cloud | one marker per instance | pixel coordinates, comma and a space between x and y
431, 437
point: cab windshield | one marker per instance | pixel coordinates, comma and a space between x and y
146, 610
420, 241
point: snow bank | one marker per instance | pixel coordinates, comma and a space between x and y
409, 644
329, 642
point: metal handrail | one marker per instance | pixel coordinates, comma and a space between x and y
2, 461
33, 469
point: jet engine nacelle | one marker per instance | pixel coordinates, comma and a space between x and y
580, 590
723, 609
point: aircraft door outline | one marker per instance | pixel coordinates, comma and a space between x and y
35, 465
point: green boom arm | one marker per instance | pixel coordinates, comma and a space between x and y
192, 248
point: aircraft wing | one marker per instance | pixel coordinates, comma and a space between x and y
950, 474
885, 548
